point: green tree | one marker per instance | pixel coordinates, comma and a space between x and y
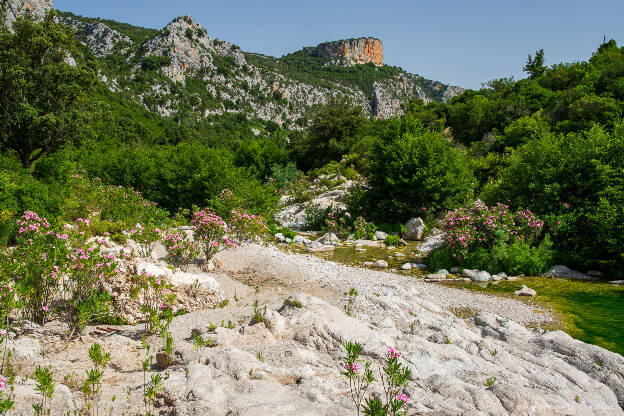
333, 130
535, 66
42, 97
414, 168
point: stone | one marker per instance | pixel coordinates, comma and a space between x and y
380, 235
499, 276
525, 291
431, 243
617, 282
204, 280
469, 273
381, 264
454, 270
564, 272
482, 276
419, 266
595, 273
406, 266
329, 238
403, 242
321, 248
299, 239
415, 228
280, 237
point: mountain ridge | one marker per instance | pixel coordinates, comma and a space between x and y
181, 70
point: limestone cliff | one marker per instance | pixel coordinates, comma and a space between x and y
12, 9
352, 51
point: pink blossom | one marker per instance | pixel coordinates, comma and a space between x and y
392, 353
355, 367
402, 398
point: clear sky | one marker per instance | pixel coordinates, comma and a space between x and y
459, 42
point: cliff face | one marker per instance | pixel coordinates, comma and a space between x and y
353, 51
12, 9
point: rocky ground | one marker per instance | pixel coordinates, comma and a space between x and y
290, 363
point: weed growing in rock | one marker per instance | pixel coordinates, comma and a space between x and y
199, 343
6, 403
350, 299
91, 388
224, 303
154, 387
259, 356
358, 381
45, 388
490, 381
447, 340
256, 317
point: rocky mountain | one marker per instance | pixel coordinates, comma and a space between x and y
11, 9
180, 71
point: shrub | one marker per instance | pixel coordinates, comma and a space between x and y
283, 174
392, 240
479, 226
575, 182
520, 258
363, 229
246, 227
210, 229
413, 168
181, 250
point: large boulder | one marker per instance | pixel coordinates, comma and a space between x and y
415, 228
564, 272
432, 243
525, 291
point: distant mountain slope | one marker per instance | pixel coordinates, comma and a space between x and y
181, 72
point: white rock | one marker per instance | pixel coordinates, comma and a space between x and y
380, 235
525, 291
203, 279
415, 228
431, 243
381, 264
499, 276
406, 266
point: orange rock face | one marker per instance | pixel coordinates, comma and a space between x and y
353, 51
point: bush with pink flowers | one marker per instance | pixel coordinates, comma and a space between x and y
181, 250
210, 230
245, 226
55, 271
495, 239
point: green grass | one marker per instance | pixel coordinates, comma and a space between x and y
591, 312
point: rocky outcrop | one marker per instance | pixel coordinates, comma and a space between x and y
12, 9
352, 51
100, 38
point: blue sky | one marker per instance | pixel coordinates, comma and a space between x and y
459, 42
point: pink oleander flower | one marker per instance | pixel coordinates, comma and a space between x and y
3, 383
46, 308
402, 398
392, 353
2, 332
355, 367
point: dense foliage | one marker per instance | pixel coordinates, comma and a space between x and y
551, 144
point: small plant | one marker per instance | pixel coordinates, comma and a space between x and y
297, 303
91, 388
6, 403
490, 381
181, 250
363, 229
257, 289
447, 340
392, 240
577, 399
256, 317
494, 352
211, 327
199, 343
350, 298
230, 325
154, 386
235, 297
358, 381
146, 236
250, 372
45, 387
259, 356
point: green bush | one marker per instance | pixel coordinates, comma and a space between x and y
520, 258
576, 183
413, 168
392, 240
